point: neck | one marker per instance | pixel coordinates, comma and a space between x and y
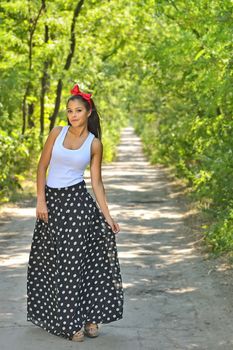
78, 130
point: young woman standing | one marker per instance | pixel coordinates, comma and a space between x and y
73, 278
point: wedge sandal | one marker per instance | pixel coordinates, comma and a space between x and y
91, 330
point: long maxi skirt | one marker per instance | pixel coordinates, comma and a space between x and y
73, 273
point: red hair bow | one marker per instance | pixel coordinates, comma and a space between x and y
76, 91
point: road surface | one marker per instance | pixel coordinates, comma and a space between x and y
175, 298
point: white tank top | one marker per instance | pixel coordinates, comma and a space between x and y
67, 166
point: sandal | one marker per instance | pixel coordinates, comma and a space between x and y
78, 336
91, 330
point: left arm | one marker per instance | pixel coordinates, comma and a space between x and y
97, 183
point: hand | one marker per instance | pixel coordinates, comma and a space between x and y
114, 226
42, 210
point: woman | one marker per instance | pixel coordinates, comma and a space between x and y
73, 278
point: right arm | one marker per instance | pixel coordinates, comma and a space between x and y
41, 208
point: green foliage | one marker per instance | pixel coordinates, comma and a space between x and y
220, 234
164, 65
95, 66
190, 126
16, 157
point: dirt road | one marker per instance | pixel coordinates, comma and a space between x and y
174, 297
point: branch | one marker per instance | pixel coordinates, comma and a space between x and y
67, 64
72, 34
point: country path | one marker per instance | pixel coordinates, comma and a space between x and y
175, 298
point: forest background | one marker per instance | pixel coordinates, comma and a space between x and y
164, 66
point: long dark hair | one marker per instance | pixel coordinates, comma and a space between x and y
93, 123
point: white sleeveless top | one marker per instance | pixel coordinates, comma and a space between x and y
67, 166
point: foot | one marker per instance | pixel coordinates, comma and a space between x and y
91, 330
78, 336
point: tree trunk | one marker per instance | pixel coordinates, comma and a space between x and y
44, 80
32, 27
31, 122
67, 64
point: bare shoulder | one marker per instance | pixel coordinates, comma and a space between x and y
53, 134
96, 146
48, 146
56, 130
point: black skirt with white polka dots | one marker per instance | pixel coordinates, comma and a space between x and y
73, 274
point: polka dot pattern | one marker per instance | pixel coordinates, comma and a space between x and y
73, 273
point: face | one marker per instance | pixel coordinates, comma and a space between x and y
77, 113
